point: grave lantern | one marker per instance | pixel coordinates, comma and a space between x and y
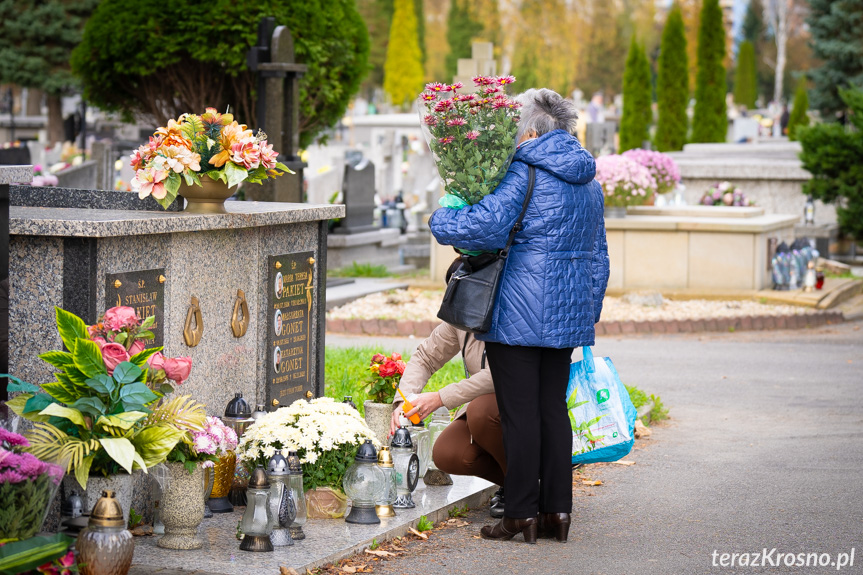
384, 505
282, 504
105, 547
407, 468
365, 484
257, 522
295, 481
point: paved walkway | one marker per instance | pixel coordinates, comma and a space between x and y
764, 451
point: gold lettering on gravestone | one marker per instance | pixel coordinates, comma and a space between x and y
142, 290
291, 294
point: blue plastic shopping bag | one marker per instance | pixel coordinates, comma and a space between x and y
600, 411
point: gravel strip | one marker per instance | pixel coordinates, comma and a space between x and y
422, 305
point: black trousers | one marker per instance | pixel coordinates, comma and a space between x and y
530, 385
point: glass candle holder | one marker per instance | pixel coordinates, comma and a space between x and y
295, 481
105, 546
282, 507
384, 506
407, 467
257, 522
365, 484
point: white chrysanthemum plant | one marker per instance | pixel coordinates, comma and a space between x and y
325, 434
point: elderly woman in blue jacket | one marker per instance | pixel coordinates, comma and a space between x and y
550, 297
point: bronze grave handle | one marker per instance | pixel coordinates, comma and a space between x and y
193, 336
239, 326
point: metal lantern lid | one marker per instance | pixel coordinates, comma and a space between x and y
73, 506
402, 438
294, 465
277, 465
385, 458
107, 512
367, 453
259, 479
238, 407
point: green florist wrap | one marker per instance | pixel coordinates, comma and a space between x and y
471, 136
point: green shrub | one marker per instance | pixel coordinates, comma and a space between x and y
709, 122
637, 114
357, 270
799, 118
746, 77
672, 85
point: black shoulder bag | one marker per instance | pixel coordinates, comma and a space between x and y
468, 302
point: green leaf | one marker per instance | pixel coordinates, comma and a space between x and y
75, 376
82, 471
121, 337
190, 179
154, 443
172, 186
137, 393
19, 404
122, 421
166, 388
88, 358
217, 175
146, 334
71, 328
235, 174
148, 322
102, 383
69, 413
127, 372
29, 554
121, 450
19, 385
58, 359
141, 359
284, 168
90, 405
38, 402
139, 462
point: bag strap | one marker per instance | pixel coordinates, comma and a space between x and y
464, 359
587, 355
531, 178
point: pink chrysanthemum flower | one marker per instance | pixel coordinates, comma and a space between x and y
446, 140
443, 106
504, 80
428, 96
438, 87
456, 86
430, 120
457, 121
472, 135
491, 90
468, 97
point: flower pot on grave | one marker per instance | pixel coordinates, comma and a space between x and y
122, 484
223, 479
378, 418
182, 507
325, 503
208, 198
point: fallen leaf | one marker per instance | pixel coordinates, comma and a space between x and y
380, 553
597, 482
349, 569
476, 537
418, 534
641, 430
622, 462
287, 571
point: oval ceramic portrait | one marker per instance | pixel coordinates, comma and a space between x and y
279, 285
277, 358
277, 322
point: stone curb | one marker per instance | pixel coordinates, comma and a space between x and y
407, 328
643, 412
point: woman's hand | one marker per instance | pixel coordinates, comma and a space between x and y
394, 421
425, 404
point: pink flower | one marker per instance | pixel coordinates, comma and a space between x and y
504, 80
148, 181
443, 106
456, 86
446, 140
12, 439
178, 368
113, 354
456, 121
378, 358
491, 90
246, 153
137, 347
100, 341
203, 443
119, 317
269, 157
400, 367
472, 135
156, 361
483, 81
438, 87
395, 356
428, 96
430, 120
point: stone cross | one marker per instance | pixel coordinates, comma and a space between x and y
278, 108
481, 63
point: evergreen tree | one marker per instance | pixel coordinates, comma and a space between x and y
799, 118
403, 70
672, 85
460, 32
837, 40
605, 50
745, 77
753, 27
36, 40
421, 30
709, 122
377, 15
635, 121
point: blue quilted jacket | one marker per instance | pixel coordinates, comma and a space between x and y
557, 271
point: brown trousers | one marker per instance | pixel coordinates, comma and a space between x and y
473, 443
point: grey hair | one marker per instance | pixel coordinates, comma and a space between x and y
545, 110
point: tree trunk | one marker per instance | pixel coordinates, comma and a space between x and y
783, 7
55, 119
34, 102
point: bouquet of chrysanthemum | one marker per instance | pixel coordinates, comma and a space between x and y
472, 136
212, 145
725, 194
325, 435
661, 166
624, 182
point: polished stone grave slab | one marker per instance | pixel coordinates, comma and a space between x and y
327, 540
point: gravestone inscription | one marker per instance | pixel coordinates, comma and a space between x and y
144, 291
290, 288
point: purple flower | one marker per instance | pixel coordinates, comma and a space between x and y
13, 439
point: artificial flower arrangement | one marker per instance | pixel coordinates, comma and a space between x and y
42, 177
661, 166
725, 194
207, 446
192, 147
471, 136
27, 486
325, 434
624, 181
386, 373
108, 411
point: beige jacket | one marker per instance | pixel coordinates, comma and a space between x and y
445, 343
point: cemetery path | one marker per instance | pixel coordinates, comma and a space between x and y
763, 451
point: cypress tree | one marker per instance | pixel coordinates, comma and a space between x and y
635, 121
403, 70
460, 32
745, 76
710, 123
798, 117
672, 85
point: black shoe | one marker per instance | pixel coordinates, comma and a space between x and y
507, 528
496, 497
496, 509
